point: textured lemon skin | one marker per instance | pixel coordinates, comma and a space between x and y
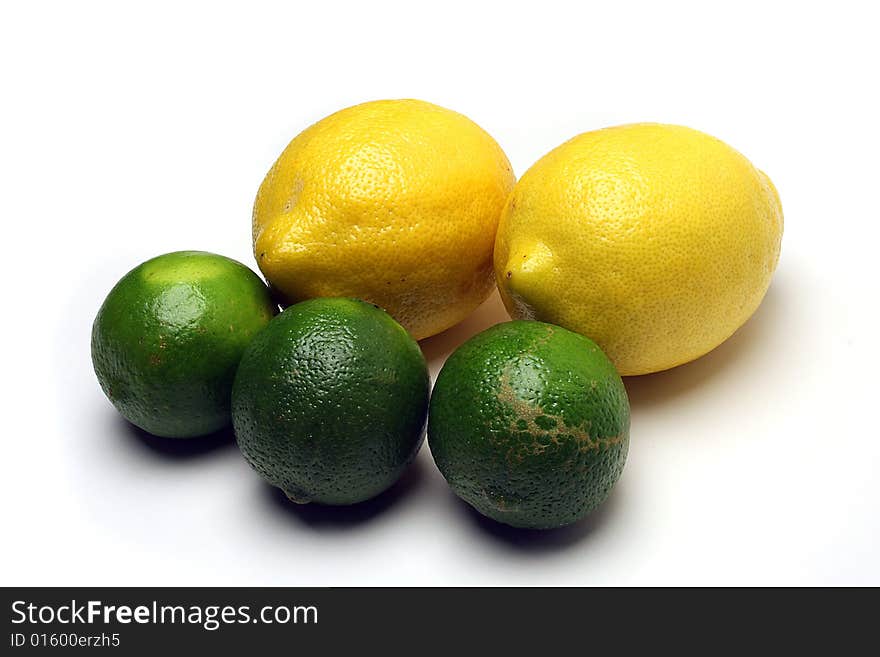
395, 202
655, 241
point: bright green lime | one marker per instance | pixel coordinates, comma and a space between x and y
168, 339
330, 400
529, 423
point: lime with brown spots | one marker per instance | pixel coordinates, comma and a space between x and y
168, 339
529, 424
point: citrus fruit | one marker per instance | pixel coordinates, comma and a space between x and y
168, 338
330, 400
395, 202
529, 424
656, 241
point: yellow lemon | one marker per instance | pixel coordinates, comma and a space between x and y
395, 202
656, 241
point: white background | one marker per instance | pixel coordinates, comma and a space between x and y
127, 133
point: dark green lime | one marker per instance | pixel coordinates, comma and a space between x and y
529, 423
330, 400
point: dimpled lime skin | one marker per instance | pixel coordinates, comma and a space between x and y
168, 338
529, 424
330, 401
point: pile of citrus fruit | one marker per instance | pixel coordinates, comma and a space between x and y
624, 251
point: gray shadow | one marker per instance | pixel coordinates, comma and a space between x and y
545, 540
649, 390
322, 517
176, 448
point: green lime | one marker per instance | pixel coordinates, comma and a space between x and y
169, 336
529, 423
330, 400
